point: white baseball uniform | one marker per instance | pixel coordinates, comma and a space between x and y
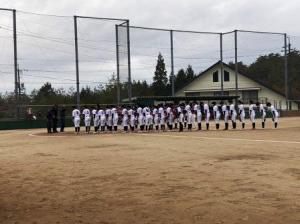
76, 118
87, 117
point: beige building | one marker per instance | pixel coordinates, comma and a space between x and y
208, 83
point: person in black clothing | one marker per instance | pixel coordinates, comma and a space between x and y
62, 116
49, 121
54, 118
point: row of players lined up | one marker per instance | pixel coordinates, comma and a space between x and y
177, 117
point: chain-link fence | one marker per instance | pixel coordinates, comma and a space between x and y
50, 59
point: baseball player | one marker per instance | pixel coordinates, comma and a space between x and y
141, 119
125, 119
275, 114
190, 120
131, 118
175, 116
108, 119
207, 115
102, 117
225, 115
76, 119
197, 108
87, 119
180, 118
233, 114
263, 113
94, 112
161, 115
148, 119
115, 118
242, 113
156, 118
217, 115
252, 113
170, 118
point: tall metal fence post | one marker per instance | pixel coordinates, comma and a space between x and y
129, 63
221, 64
172, 64
77, 64
16, 62
236, 64
286, 72
118, 65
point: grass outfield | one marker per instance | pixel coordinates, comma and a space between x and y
240, 176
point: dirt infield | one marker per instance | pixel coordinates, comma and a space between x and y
199, 177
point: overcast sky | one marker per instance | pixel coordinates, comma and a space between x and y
46, 43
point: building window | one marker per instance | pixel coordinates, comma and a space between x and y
216, 76
226, 76
250, 95
219, 93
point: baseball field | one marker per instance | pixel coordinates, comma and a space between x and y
235, 176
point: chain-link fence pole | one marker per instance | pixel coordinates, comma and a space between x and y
236, 64
286, 72
129, 63
118, 66
77, 64
221, 64
172, 63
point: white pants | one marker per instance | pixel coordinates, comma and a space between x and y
207, 118
252, 117
96, 122
115, 120
275, 118
148, 119
199, 118
226, 117
87, 121
162, 120
242, 117
156, 120
141, 120
102, 121
76, 122
132, 121
217, 118
109, 121
233, 117
125, 121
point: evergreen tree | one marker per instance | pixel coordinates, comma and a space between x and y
160, 79
190, 74
180, 79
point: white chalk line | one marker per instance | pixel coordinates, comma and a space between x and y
179, 136
48, 136
219, 138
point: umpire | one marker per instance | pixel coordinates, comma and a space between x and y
62, 115
54, 118
49, 121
